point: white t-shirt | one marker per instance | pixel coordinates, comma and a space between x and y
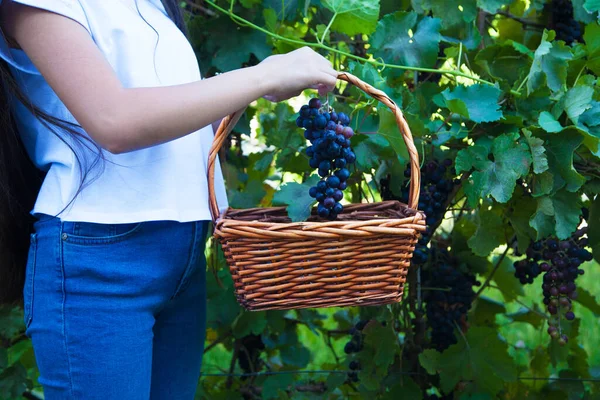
164, 182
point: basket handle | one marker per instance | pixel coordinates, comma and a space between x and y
230, 121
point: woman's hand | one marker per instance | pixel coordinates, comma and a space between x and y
287, 75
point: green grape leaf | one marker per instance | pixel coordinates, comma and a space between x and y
592, 43
503, 61
406, 389
296, 197
377, 354
354, 16
594, 229
235, 49
521, 209
559, 151
489, 234
477, 102
389, 129
275, 386
540, 361
548, 123
392, 42
581, 14
249, 198
557, 215
504, 277
485, 310
589, 127
3, 358
449, 11
535, 316
538, 152
370, 150
484, 360
248, 323
587, 300
498, 178
543, 184
250, 3
296, 354
430, 359
592, 5
577, 100
550, 61
471, 157
265, 161
492, 6
13, 382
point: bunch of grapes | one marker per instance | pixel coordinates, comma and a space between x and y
354, 346
560, 262
437, 182
447, 309
250, 349
330, 153
563, 21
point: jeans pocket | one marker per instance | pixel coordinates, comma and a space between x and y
29, 281
88, 233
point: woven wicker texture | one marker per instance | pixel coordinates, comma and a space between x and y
362, 258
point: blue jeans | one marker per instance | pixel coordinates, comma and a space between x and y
117, 311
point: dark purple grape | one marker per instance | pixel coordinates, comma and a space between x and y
304, 111
322, 186
348, 132
343, 185
340, 162
333, 182
343, 174
325, 165
329, 202
320, 122
334, 116
338, 208
570, 315
545, 267
314, 103
313, 192
322, 211
338, 195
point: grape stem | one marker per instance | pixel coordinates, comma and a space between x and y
245, 22
491, 275
326, 31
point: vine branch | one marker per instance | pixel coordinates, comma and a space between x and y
322, 46
491, 275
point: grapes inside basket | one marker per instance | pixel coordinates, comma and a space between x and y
330, 153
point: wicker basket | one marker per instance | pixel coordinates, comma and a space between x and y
360, 259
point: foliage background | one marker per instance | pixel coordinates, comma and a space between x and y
482, 82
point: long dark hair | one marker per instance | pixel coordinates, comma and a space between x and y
20, 180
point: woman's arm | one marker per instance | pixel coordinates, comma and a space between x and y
121, 119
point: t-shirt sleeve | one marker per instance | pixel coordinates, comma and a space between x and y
68, 8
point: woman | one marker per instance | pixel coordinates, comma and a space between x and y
106, 99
